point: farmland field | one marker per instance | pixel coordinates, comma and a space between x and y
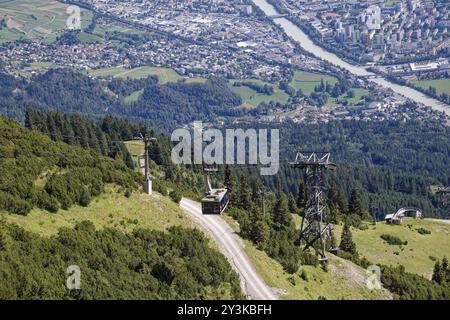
28, 19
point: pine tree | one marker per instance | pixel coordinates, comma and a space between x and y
337, 199
230, 183
80, 130
256, 190
260, 232
53, 130
280, 213
155, 153
85, 198
292, 203
347, 243
2, 242
355, 206
93, 141
35, 120
334, 215
445, 270
129, 161
29, 121
102, 141
67, 132
437, 273
245, 199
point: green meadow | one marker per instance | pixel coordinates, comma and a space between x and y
343, 280
251, 98
441, 85
417, 256
307, 81
164, 75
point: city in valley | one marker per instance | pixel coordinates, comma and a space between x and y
236, 40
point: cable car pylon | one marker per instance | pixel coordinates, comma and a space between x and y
315, 229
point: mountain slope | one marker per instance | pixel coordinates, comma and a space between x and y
126, 245
37, 172
343, 280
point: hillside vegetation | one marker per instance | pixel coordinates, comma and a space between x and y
164, 106
417, 256
145, 264
126, 244
342, 281
112, 209
37, 172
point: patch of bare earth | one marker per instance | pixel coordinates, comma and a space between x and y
349, 271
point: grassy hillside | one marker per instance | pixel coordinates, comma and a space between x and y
343, 280
110, 210
164, 75
418, 256
36, 172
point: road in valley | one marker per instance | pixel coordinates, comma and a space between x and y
232, 248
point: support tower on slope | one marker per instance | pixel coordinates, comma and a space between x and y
148, 189
314, 229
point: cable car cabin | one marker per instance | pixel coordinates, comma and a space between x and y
215, 202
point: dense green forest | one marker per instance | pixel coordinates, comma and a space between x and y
163, 107
393, 164
378, 170
107, 136
178, 264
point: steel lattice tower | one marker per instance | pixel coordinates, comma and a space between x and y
314, 229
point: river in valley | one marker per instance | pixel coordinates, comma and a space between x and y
307, 44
